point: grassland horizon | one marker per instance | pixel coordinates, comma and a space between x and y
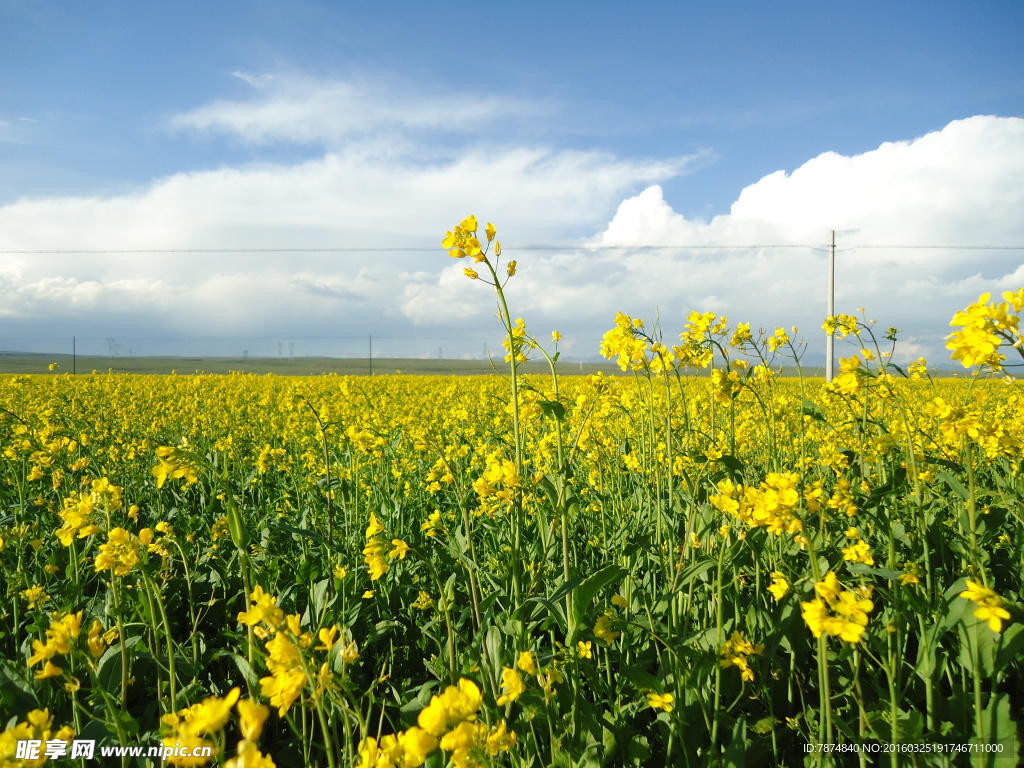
39, 362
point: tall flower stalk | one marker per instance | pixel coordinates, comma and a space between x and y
461, 242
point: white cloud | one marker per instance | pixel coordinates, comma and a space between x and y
961, 185
347, 198
261, 80
341, 199
302, 110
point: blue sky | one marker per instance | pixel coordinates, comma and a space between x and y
229, 124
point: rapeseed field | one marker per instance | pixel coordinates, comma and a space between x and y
648, 569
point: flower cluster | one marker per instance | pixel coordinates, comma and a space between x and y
512, 686
984, 327
59, 638
662, 701
376, 549
604, 627
286, 662
188, 731
251, 717
500, 480
35, 596
627, 342
957, 422
737, 651
918, 369
37, 726
859, 552
81, 510
990, 605
850, 378
779, 586
191, 728
463, 241
449, 721
699, 330
121, 552
637, 350
174, 463
837, 612
725, 385
773, 505
517, 343
841, 326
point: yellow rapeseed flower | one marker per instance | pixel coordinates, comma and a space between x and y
512, 686
779, 586
120, 554
662, 701
603, 628
990, 605
837, 612
251, 716
526, 663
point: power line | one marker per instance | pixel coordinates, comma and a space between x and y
563, 247
405, 250
936, 247
283, 337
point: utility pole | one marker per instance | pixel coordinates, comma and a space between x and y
74, 355
371, 354
830, 339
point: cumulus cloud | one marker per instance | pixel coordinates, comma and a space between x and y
341, 199
348, 198
962, 185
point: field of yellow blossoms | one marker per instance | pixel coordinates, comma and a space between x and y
651, 569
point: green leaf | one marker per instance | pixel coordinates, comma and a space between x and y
956, 606
548, 486
736, 752
302, 532
1011, 648
552, 409
731, 464
812, 409
900, 370
999, 729
695, 570
320, 592
885, 573
584, 595
954, 485
555, 609
641, 679
248, 673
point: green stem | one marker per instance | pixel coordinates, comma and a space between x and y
173, 682
114, 582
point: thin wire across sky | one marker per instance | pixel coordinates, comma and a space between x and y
510, 249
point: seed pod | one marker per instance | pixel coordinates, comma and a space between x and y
239, 533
